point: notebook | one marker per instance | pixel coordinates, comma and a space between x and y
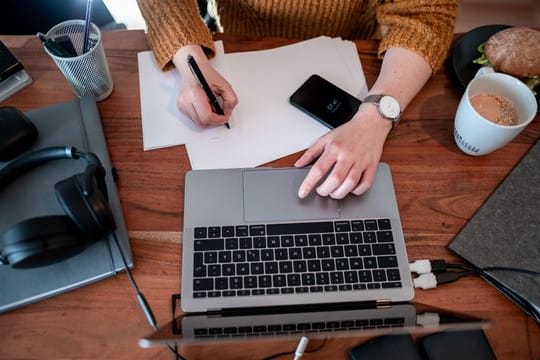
505, 232
250, 242
76, 123
314, 322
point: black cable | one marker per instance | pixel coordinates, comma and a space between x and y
140, 297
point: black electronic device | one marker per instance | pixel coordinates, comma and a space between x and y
18, 133
464, 345
45, 240
13, 77
324, 101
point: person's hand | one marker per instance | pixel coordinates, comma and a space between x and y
349, 155
192, 100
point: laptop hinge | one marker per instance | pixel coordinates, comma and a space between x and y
383, 302
214, 312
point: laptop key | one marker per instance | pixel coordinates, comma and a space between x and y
228, 269
257, 230
387, 261
384, 224
259, 242
246, 243
271, 268
222, 283
330, 288
393, 274
370, 237
370, 224
214, 231
227, 231
364, 276
383, 249
385, 236
203, 284
357, 225
243, 293
199, 233
300, 240
231, 243
316, 289
315, 239
356, 237
212, 294
391, 285
272, 291
301, 290
342, 226
229, 293
287, 290
242, 230
370, 262
336, 277
273, 241
209, 245
199, 294
374, 286
224, 256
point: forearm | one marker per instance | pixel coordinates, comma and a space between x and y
171, 25
403, 74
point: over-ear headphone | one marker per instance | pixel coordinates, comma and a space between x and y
45, 240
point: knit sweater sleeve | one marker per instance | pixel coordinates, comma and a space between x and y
424, 26
172, 24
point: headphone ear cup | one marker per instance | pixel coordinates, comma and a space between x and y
41, 241
91, 213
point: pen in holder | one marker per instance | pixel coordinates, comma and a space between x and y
87, 72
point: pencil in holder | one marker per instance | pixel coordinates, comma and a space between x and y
86, 72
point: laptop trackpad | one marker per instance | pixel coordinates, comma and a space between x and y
272, 195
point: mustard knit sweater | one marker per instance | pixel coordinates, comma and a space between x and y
425, 26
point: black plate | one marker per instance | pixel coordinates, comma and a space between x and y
466, 50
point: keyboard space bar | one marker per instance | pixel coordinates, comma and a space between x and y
300, 228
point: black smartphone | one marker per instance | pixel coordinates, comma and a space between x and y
324, 101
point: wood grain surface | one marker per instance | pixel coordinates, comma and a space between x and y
438, 189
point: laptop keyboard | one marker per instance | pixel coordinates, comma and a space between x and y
304, 327
294, 258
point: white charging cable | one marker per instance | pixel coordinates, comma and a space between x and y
302, 344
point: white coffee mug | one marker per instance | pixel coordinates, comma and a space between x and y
476, 135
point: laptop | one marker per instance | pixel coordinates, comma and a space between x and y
250, 242
318, 321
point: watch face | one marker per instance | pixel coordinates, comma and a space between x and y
389, 107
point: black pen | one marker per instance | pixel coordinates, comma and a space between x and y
211, 97
87, 24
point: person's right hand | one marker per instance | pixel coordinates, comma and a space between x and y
192, 100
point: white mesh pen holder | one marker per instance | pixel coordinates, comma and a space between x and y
87, 72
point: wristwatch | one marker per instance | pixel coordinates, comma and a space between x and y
388, 107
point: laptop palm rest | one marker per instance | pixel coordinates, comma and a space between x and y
272, 195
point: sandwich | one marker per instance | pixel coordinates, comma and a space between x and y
514, 51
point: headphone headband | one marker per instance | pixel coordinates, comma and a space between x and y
29, 161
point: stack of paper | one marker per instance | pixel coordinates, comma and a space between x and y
264, 126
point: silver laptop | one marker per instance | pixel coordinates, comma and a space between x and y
249, 242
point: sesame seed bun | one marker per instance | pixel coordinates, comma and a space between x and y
515, 51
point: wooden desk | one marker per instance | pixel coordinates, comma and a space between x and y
438, 190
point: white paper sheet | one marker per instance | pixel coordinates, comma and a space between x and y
163, 124
264, 126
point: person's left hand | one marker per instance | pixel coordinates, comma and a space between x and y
349, 154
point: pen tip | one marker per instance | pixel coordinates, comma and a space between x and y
227, 125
